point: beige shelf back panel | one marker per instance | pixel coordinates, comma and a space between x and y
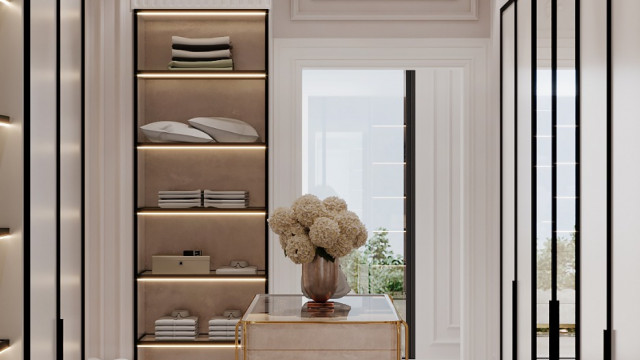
202, 299
207, 169
247, 35
181, 100
223, 238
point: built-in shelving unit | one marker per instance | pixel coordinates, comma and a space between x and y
224, 234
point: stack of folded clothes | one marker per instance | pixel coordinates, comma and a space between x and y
223, 328
237, 267
201, 54
226, 199
179, 199
177, 328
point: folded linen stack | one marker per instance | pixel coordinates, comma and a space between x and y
201, 54
179, 199
177, 328
223, 328
226, 199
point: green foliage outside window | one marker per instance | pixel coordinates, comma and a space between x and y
376, 269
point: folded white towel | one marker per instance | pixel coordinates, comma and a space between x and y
216, 54
176, 328
222, 338
222, 328
223, 320
224, 333
176, 333
168, 320
200, 41
234, 270
176, 338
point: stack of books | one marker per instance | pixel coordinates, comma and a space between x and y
226, 199
179, 199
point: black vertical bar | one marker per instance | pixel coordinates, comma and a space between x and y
26, 138
501, 235
82, 184
410, 205
534, 176
554, 319
135, 184
578, 171
608, 332
59, 335
267, 151
59, 339
514, 299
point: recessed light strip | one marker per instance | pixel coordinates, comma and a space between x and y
4, 345
6, 2
5, 120
202, 147
5, 233
201, 13
201, 279
207, 213
183, 346
201, 75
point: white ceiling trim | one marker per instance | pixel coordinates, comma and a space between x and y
200, 4
384, 10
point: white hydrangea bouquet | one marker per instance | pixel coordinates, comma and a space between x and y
315, 227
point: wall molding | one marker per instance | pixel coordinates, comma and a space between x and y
384, 10
200, 4
477, 289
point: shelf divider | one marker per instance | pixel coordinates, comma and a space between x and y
202, 341
186, 74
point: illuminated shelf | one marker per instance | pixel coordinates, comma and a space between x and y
187, 74
202, 341
4, 345
4, 232
5, 120
169, 13
201, 211
259, 276
192, 146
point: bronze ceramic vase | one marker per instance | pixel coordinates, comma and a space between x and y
320, 278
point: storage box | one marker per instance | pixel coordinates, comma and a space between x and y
170, 264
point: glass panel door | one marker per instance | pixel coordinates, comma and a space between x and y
354, 141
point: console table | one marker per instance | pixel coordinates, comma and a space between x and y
283, 327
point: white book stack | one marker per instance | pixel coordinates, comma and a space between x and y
176, 328
179, 199
223, 328
226, 199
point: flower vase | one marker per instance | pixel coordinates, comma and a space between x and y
320, 279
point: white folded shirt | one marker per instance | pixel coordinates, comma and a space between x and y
223, 40
176, 338
222, 338
201, 54
175, 333
168, 320
234, 270
223, 320
222, 328
176, 328
224, 333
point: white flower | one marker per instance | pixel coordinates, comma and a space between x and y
324, 232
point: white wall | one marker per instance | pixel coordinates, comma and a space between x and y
11, 181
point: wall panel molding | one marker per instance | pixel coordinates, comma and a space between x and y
384, 10
200, 4
460, 320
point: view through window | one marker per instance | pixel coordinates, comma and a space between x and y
354, 147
